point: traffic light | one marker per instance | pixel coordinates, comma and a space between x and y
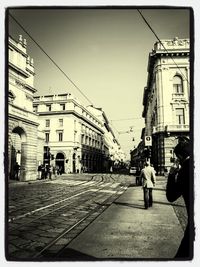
52, 157
145, 152
149, 152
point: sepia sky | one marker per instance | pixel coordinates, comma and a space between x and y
103, 51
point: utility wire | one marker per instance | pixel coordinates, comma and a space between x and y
161, 43
128, 119
50, 58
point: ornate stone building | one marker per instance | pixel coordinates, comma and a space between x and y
25, 140
73, 135
166, 99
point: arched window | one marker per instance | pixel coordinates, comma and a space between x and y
177, 85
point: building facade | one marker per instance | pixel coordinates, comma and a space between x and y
137, 156
25, 138
166, 99
74, 137
113, 153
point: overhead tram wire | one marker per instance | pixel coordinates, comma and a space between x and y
127, 119
161, 44
51, 59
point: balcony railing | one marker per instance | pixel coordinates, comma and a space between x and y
171, 128
177, 127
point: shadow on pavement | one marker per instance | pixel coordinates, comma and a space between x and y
129, 205
133, 185
168, 203
70, 254
159, 189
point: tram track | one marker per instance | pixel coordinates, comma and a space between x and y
45, 251
60, 220
58, 193
78, 192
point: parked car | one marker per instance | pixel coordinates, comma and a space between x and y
132, 170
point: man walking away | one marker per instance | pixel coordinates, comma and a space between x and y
148, 179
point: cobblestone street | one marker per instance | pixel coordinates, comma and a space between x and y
45, 216
43, 212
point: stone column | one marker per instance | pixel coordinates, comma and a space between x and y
9, 159
160, 97
28, 170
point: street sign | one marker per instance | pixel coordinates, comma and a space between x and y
148, 141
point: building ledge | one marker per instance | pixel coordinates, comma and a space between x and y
171, 128
175, 128
19, 70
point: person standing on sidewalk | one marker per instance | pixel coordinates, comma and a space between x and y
179, 184
50, 170
148, 179
16, 170
40, 172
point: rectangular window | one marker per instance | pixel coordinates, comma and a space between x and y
47, 123
62, 106
86, 140
48, 107
177, 84
180, 116
60, 122
46, 137
82, 139
60, 137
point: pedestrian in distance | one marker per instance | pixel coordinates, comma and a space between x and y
57, 169
148, 179
179, 184
54, 171
60, 170
42, 171
46, 171
16, 171
39, 172
50, 170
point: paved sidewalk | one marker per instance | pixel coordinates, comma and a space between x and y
126, 231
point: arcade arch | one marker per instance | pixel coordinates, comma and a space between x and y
17, 158
60, 162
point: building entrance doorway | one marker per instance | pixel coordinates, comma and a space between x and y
16, 163
60, 162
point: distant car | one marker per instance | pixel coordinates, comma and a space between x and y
132, 170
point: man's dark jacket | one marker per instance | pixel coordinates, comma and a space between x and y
180, 185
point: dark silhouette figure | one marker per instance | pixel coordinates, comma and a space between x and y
42, 171
179, 184
16, 171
